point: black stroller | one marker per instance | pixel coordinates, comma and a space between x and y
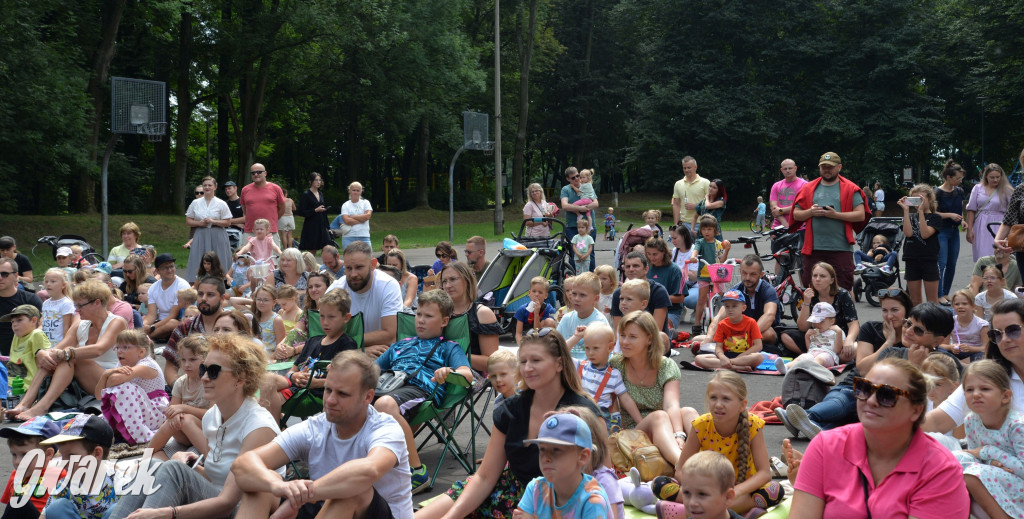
873, 277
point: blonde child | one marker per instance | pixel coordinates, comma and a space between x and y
501, 372
132, 394
566, 448
144, 299
759, 211
731, 430
609, 282
995, 291
603, 382
737, 338
969, 340
261, 246
58, 311
824, 339
582, 245
538, 312
993, 462
186, 297
942, 375
881, 252
286, 223
706, 487
267, 326
288, 298
921, 250
240, 283
609, 224
634, 296
601, 460
76, 256
567, 307
586, 290
188, 402
706, 251
587, 192
308, 324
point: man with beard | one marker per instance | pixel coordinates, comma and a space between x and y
761, 299
357, 456
834, 211
11, 296
375, 294
332, 261
211, 291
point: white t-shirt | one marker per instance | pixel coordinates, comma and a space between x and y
880, 196
54, 311
165, 299
316, 441
956, 405
225, 438
383, 299
215, 209
358, 209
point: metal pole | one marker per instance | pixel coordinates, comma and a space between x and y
499, 217
451, 194
103, 188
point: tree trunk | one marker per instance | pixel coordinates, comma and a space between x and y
185, 107
422, 178
526, 51
83, 193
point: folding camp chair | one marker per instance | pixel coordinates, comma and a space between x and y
441, 420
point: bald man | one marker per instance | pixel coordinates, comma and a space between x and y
261, 199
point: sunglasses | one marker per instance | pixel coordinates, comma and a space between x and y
199, 193
1011, 332
917, 330
885, 395
889, 292
539, 332
212, 371
443, 256
6, 275
574, 177
128, 271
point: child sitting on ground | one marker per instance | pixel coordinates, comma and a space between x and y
586, 291
428, 359
880, 252
824, 339
132, 394
83, 437
188, 402
186, 297
603, 382
288, 298
239, 273
58, 313
22, 440
609, 282
267, 326
144, 299
566, 446
969, 340
27, 341
707, 250
501, 371
537, 313
706, 487
737, 339
567, 307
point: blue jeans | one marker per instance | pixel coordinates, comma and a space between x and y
861, 257
949, 251
570, 233
838, 408
349, 239
690, 301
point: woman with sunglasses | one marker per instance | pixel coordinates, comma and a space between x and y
926, 326
1006, 347
825, 289
445, 254
84, 362
549, 381
134, 270
234, 424
884, 466
210, 217
458, 280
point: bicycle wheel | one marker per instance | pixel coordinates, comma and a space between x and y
753, 223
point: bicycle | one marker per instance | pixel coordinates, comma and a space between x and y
721, 275
790, 295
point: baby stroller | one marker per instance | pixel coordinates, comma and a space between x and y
89, 253
505, 284
631, 238
873, 277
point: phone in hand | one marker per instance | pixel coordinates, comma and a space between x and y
913, 201
198, 461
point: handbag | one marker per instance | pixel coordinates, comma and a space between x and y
632, 448
1016, 239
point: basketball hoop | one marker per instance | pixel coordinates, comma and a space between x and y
154, 131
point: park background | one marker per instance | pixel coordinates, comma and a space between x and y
374, 90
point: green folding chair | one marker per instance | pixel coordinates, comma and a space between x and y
441, 420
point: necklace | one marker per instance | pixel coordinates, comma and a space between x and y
643, 378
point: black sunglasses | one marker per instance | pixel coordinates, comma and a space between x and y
6, 274
442, 256
1011, 332
539, 332
918, 331
212, 371
889, 292
885, 395
199, 193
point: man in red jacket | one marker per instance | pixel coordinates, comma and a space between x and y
834, 210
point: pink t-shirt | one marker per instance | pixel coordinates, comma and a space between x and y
784, 193
927, 482
261, 202
124, 311
262, 249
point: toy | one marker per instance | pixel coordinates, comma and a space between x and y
637, 493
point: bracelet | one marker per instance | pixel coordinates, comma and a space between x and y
290, 378
174, 512
680, 434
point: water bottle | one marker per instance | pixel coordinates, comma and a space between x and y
15, 392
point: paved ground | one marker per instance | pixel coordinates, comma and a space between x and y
691, 390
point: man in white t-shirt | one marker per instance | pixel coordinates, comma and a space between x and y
162, 317
358, 462
374, 294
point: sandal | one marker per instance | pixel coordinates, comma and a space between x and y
779, 469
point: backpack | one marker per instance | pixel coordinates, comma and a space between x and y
806, 383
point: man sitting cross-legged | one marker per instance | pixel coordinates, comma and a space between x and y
357, 456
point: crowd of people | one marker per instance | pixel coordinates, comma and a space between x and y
881, 438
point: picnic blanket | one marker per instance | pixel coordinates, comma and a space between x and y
766, 367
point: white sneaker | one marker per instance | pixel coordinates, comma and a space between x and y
780, 364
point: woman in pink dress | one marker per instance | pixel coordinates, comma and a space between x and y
986, 205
